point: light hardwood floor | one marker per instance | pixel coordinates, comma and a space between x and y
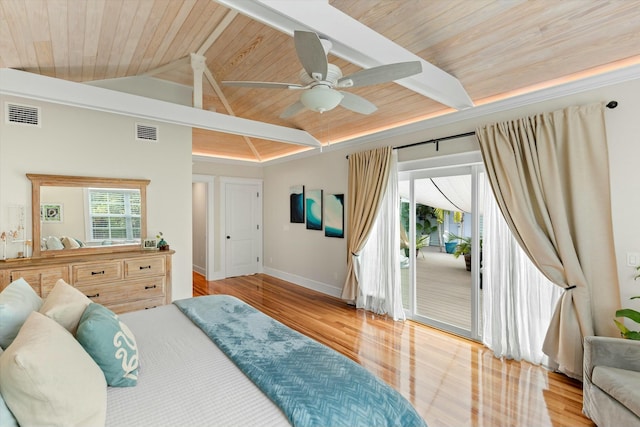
450, 381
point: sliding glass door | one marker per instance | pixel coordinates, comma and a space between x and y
441, 217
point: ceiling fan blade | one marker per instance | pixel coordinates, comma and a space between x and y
265, 85
292, 110
357, 103
381, 74
311, 54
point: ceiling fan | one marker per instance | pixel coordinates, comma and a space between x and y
321, 79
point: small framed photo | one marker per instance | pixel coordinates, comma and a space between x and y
149, 244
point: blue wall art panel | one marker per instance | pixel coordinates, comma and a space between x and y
296, 203
314, 209
334, 215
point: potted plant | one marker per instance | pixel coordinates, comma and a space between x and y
629, 314
162, 244
451, 243
464, 248
424, 230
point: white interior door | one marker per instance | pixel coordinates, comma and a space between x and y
243, 228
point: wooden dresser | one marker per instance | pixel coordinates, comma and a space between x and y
122, 281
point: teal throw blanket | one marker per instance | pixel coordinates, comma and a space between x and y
312, 384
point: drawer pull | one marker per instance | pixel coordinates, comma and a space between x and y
93, 296
96, 273
150, 287
147, 308
145, 267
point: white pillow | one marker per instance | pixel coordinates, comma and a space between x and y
65, 304
17, 301
46, 378
6, 417
54, 243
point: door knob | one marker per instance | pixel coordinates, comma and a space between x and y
228, 237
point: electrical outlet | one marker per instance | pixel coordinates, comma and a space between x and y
633, 259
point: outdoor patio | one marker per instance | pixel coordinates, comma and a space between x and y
443, 287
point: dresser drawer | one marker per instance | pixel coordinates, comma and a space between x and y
140, 267
42, 280
113, 293
144, 304
85, 274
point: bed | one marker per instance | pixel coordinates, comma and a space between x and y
215, 360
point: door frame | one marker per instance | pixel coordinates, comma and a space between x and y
209, 182
224, 181
417, 169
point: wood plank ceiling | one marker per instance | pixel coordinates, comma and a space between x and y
493, 47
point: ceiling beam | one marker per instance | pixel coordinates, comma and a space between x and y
33, 86
224, 23
354, 42
216, 88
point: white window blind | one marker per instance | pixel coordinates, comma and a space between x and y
114, 214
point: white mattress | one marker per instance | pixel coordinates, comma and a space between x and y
185, 380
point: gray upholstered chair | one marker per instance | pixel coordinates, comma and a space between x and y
611, 388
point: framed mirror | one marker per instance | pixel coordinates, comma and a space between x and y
76, 214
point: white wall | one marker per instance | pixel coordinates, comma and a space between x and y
308, 258
291, 251
74, 141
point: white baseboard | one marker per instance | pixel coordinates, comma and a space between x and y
199, 270
304, 282
216, 275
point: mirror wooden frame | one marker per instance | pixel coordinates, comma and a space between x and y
39, 180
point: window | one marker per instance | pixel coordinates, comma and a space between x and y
114, 214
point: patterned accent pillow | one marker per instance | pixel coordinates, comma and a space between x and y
17, 301
111, 344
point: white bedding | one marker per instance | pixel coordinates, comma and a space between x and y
185, 380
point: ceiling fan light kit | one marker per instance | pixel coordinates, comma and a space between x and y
321, 98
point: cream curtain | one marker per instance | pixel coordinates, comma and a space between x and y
550, 176
377, 265
368, 175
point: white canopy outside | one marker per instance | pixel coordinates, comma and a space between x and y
451, 193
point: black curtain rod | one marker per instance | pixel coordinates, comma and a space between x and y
610, 104
436, 141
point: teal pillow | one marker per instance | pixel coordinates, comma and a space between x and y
17, 301
6, 417
111, 345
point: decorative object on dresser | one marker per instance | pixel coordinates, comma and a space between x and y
162, 244
150, 244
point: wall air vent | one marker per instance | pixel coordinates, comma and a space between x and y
22, 114
146, 133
